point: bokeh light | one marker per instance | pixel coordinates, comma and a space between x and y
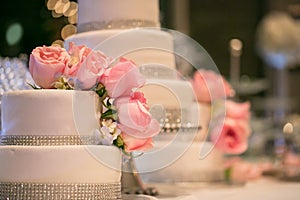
59, 43
71, 10
14, 33
67, 9
51, 4
68, 30
55, 14
73, 19
59, 6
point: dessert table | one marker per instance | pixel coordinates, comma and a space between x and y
264, 188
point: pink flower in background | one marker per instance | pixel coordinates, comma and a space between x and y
291, 159
241, 171
46, 64
230, 121
134, 117
209, 86
231, 134
120, 79
136, 144
238, 110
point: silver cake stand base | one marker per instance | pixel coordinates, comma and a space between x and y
131, 180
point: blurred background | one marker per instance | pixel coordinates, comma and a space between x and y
213, 23
254, 43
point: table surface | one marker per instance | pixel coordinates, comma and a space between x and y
264, 188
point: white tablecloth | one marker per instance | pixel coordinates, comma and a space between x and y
265, 189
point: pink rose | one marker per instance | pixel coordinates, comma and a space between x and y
237, 110
230, 133
134, 117
242, 171
232, 136
209, 86
136, 144
122, 78
46, 64
91, 69
139, 96
78, 54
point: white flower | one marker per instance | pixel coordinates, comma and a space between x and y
107, 133
110, 124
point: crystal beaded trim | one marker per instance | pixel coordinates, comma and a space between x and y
157, 71
39, 191
116, 24
33, 140
171, 121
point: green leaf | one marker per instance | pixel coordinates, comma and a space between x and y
64, 83
227, 174
101, 91
119, 143
108, 103
110, 114
33, 86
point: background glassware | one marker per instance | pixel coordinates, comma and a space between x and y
14, 75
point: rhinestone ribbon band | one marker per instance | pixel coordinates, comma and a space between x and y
116, 24
33, 140
37, 191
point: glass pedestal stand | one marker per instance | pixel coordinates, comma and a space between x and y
131, 180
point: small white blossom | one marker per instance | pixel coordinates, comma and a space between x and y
107, 133
110, 124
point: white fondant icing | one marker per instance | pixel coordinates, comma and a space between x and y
60, 164
199, 113
170, 94
200, 162
50, 112
143, 46
110, 10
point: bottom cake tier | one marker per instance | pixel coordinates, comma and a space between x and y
60, 172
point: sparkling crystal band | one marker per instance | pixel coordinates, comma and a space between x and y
56, 191
116, 24
55, 140
185, 129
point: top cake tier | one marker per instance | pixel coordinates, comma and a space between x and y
112, 11
50, 112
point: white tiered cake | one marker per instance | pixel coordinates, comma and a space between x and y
47, 147
43, 131
127, 33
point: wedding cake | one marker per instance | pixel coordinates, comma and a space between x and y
47, 148
131, 28
48, 138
